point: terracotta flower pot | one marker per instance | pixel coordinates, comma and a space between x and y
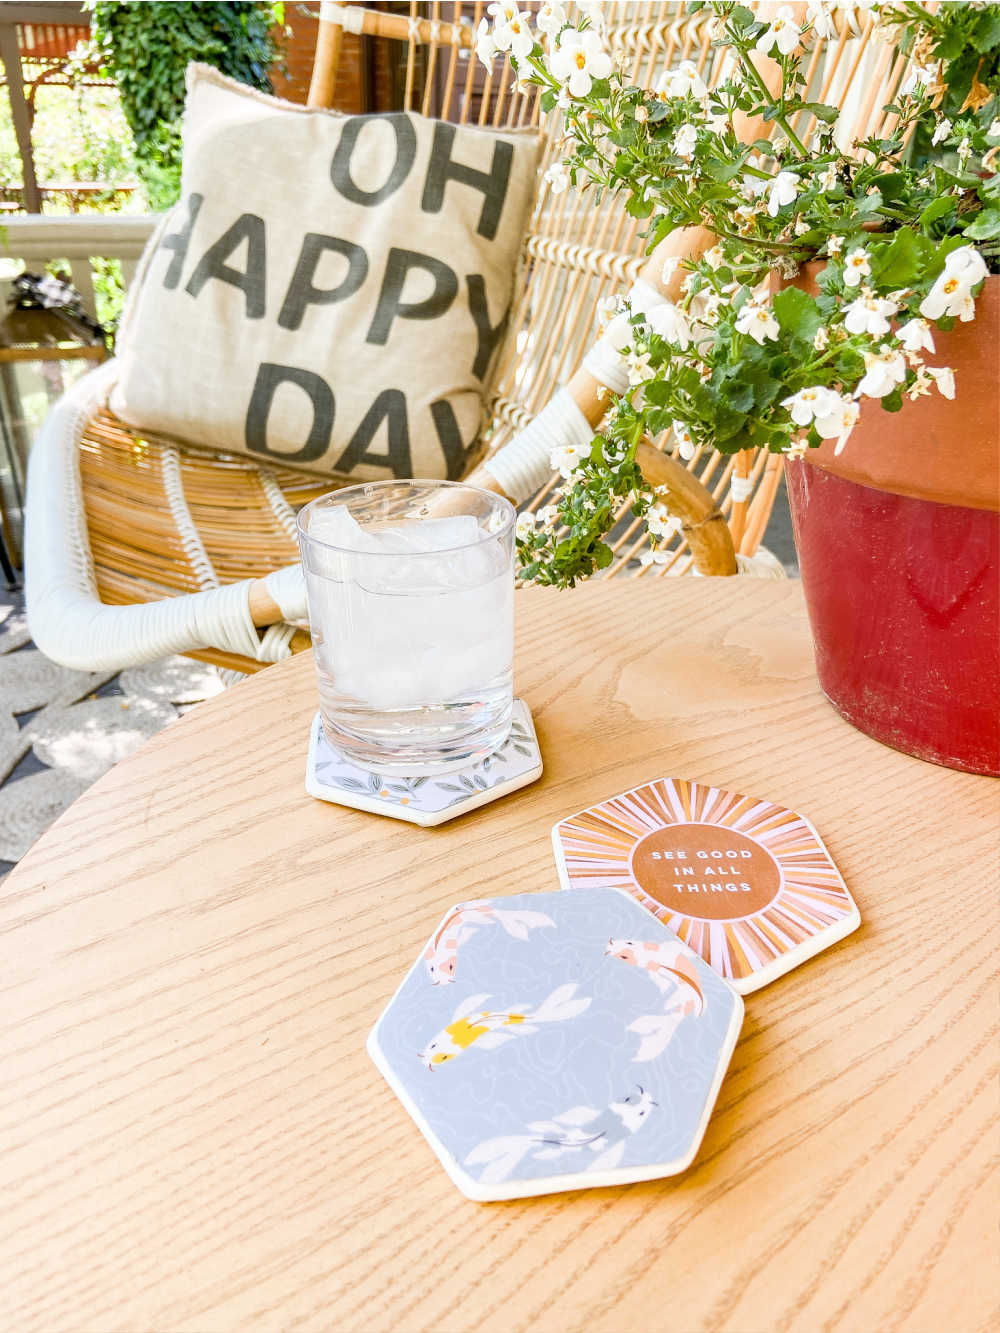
899, 547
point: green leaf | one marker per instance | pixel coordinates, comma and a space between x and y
892, 402
797, 313
898, 263
986, 34
548, 100
638, 207
937, 208
827, 114
986, 225
603, 555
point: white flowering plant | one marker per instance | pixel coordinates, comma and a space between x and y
905, 224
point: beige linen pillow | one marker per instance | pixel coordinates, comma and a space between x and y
330, 290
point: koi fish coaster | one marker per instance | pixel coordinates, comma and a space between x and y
518, 1061
441, 955
667, 964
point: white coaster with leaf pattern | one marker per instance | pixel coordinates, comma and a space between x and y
426, 800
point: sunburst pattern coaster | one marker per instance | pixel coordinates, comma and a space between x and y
425, 800
746, 883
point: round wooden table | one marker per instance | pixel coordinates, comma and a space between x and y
194, 1138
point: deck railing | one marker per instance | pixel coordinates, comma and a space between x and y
78, 239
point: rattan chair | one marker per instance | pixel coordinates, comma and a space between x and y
139, 545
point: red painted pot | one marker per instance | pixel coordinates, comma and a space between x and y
899, 548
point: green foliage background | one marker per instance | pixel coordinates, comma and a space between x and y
146, 47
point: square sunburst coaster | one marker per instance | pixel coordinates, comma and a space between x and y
557, 1041
422, 799
748, 884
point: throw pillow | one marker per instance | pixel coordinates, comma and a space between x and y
330, 290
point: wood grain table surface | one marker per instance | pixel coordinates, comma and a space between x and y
193, 1137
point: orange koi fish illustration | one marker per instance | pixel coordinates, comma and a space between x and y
669, 967
441, 955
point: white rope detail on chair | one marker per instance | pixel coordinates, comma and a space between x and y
191, 541
68, 621
287, 589
607, 364
435, 28
741, 488
764, 565
413, 29
349, 17
523, 465
280, 507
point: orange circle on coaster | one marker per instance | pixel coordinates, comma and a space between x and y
706, 871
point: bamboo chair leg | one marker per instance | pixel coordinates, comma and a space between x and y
327, 61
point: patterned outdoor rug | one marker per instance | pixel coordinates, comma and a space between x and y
61, 729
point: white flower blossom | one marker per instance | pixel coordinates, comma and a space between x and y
994, 130
942, 131
838, 421
524, 526
784, 190
557, 178
551, 18
579, 59
566, 459
884, 370
684, 440
820, 14
829, 179
822, 339
660, 521
594, 11
685, 141
548, 515
666, 320
869, 314
964, 152
856, 267
512, 30
920, 77
834, 245
944, 378
757, 321
486, 47
752, 187
951, 294
681, 81
641, 114
916, 335
783, 32
639, 370
808, 404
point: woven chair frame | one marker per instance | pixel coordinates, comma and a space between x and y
165, 519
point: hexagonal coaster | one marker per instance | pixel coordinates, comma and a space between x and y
557, 1041
330, 776
748, 884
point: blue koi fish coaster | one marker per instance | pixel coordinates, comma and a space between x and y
557, 1041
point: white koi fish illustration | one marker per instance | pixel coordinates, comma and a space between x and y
441, 955
487, 1029
600, 1136
671, 970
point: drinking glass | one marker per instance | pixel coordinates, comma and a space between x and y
411, 607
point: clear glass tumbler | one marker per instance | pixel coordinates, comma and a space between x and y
411, 607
